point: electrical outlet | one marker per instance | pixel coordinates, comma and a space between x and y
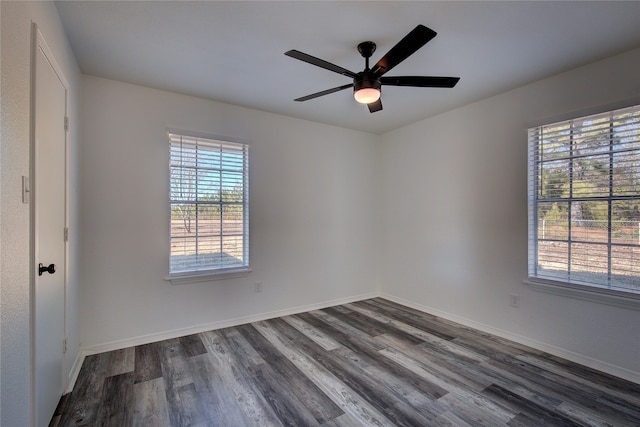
258, 287
514, 300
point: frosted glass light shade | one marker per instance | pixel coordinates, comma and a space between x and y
367, 95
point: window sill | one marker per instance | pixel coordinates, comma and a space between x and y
207, 276
604, 296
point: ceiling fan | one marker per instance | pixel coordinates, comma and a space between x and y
367, 84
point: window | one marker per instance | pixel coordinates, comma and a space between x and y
209, 206
584, 201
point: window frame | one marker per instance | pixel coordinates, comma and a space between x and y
576, 289
219, 273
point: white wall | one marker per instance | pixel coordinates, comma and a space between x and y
15, 242
313, 198
455, 219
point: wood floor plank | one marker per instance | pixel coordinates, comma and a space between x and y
313, 334
396, 410
192, 345
372, 359
246, 355
121, 361
229, 339
541, 390
321, 406
477, 411
345, 420
541, 415
183, 401
423, 400
418, 322
357, 408
590, 375
426, 337
147, 362
621, 389
381, 326
220, 403
187, 407
449, 419
235, 378
173, 348
111, 412
630, 412
87, 393
463, 399
283, 401
370, 327
59, 411
557, 386
401, 330
366, 363
460, 389
150, 404
320, 319
454, 330
583, 415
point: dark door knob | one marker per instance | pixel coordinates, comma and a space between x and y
46, 269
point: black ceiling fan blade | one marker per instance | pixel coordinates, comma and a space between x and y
324, 92
420, 81
413, 41
375, 106
319, 63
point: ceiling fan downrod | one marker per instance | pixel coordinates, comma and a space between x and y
366, 87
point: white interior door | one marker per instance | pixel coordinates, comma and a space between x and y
49, 211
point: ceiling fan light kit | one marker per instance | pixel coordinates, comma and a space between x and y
367, 85
366, 91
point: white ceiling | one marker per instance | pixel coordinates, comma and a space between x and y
233, 52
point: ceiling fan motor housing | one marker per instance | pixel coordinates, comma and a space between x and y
365, 80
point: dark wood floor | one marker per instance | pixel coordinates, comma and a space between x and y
371, 363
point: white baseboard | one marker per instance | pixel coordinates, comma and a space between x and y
75, 370
180, 332
590, 362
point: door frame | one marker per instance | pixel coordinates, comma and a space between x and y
38, 42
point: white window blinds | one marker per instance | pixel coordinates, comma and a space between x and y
209, 205
584, 197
